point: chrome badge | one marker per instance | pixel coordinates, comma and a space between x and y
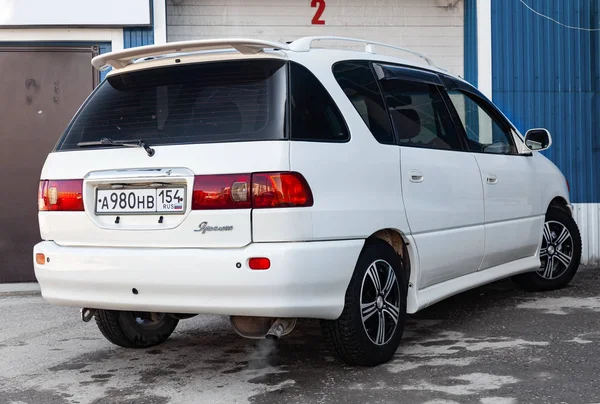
204, 227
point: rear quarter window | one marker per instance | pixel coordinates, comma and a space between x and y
196, 103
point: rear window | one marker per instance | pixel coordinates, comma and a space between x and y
198, 103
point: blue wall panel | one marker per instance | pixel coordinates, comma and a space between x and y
470, 41
548, 75
104, 48
138, 36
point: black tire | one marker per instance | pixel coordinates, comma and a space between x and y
554, 257
351, 339
135, 330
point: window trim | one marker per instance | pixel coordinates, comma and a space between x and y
437, 84
58, 146
491, 114
289, 125
452, 84
370, 66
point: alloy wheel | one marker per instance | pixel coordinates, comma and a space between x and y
556, 253
380, 302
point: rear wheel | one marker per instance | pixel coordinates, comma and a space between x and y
135, 329
371, 325
560, 254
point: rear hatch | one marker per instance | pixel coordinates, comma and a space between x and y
165, 157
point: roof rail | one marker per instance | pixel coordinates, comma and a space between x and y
304, 45
120, 59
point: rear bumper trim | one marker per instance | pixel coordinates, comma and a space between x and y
305, 279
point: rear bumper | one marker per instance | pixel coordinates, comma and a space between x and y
305, 279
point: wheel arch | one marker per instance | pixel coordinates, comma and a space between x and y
398, 241
560, 203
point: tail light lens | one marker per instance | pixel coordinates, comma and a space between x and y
280, 190
60, 195
243, 191
221, 192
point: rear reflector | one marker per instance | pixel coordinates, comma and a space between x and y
60, 195
244, 191
40, 259
259, 264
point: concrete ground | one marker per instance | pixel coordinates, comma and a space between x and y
492, 345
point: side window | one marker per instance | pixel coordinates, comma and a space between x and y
360, 86
314, 115
484, 133
419, 115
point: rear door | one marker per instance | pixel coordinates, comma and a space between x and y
441, 184
513, 211
210, 124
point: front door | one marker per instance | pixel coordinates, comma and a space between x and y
441, 184
513, 211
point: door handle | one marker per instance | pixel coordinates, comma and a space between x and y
492, 179
415, 176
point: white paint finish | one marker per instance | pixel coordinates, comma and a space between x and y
444, 209
88, 229
305, 279
375, 199
433, 294
513, 210
587, 216
449, 254
423, 25
357, 188
484, 47
351, 200
466, 385
114, 35
74, 13
523, 242
159, 23
562, 305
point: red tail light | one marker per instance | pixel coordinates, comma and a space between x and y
280, 190
60, 195
230, 191
244, 191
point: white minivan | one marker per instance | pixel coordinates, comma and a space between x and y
272, 181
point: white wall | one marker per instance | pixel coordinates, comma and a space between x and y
429, 26
112, 36
74, 12
587, 216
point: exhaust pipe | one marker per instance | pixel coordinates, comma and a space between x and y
276, 330
262, 327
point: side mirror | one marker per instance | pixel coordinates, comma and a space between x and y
538, 139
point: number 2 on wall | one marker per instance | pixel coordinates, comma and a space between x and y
321, 7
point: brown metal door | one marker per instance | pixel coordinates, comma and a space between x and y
40, 90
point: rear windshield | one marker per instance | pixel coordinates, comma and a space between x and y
198, 103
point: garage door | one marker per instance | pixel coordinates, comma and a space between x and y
41, 90
433, 27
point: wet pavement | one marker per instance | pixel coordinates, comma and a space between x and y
492, 345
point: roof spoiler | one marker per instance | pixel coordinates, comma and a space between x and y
123, 58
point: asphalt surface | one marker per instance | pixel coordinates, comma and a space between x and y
492, 345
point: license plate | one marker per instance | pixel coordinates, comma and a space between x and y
140, 201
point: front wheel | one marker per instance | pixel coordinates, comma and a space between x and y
130, 329
372, 322
560, 254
